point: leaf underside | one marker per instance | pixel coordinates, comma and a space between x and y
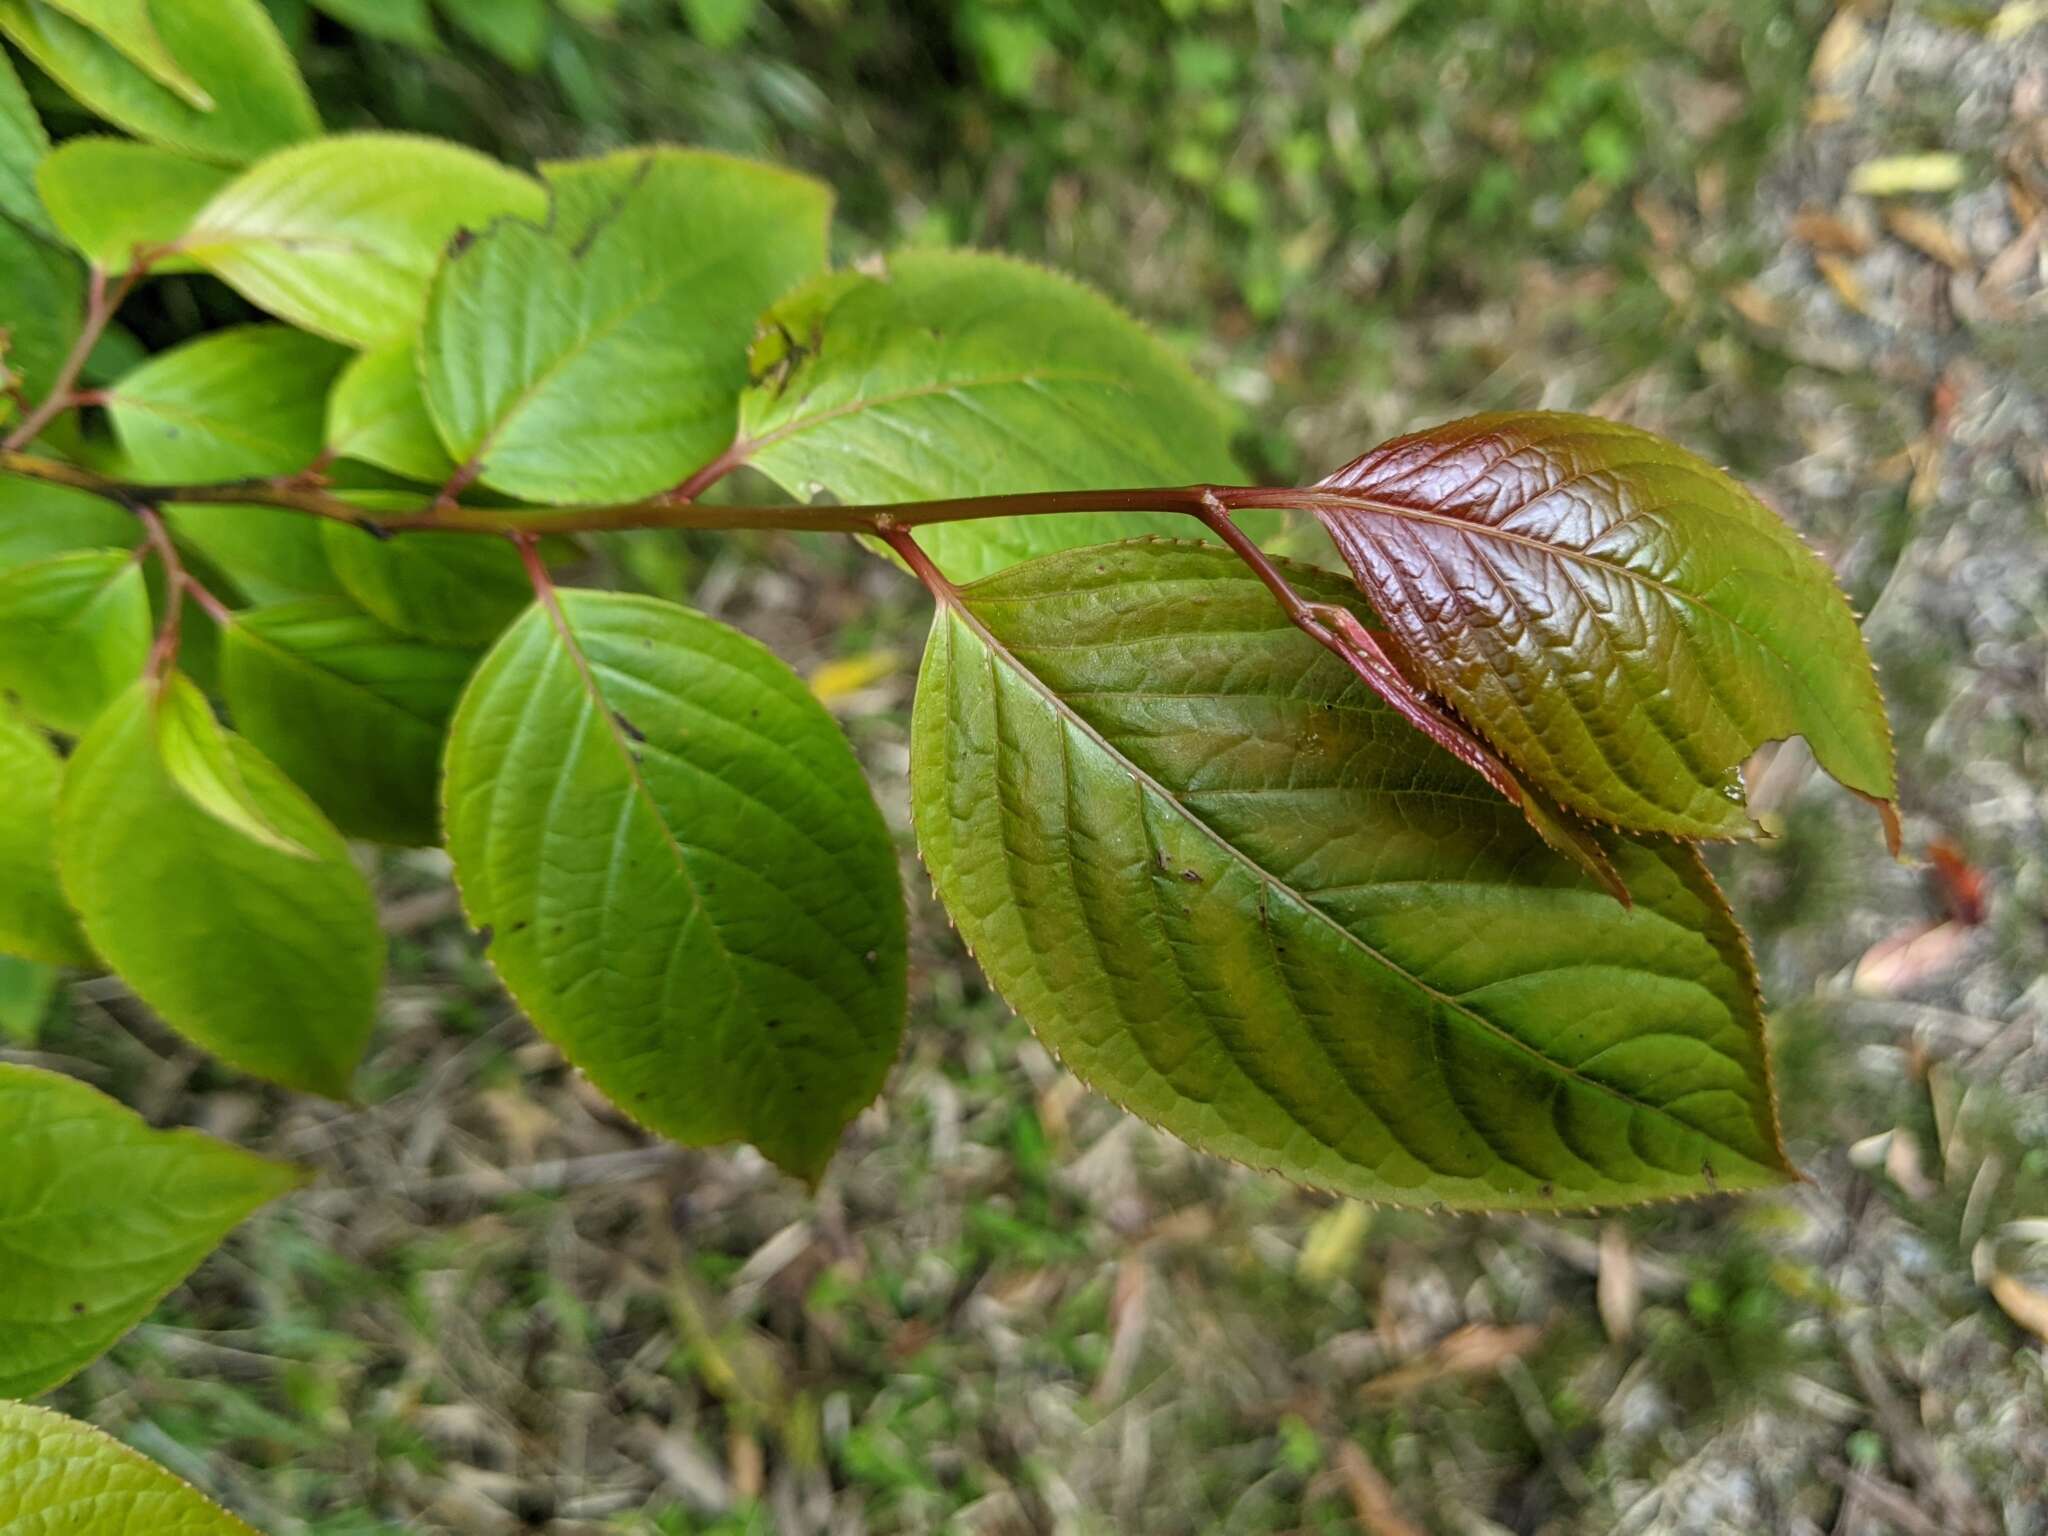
1243, 899
1621, 620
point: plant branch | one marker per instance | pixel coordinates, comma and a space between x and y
178, 582
671, 509
102, 300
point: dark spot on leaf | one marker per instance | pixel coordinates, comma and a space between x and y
375, 530
628, 726
773, 1023
77, 1308
518, 926
1547, 1190
487, 933
1191, 876
460, 242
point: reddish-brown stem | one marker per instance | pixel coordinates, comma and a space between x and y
177, 579
101, 302
163, 651
701, 480
900, 540
536, 569
1339, 630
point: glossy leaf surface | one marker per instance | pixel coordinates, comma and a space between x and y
59, 1477
600, 356
100, 1215
35, 922
1620, 619
267, 959
74, 633
353, 712
342, 236
1242, 898
160, 191
960, 374
687, 884
228, 49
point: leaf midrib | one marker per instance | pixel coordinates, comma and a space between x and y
955, 604
594, 699
1372, 505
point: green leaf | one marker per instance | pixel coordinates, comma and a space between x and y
342, 236
970, 375
161, 190
240, 402
59, 1477
23, 144
42, 304
377, 415
102, 1216
451, 588
355, 713
228, 48
719, 23
200, 759
395, 21
515, 30
1620, 619
27, 988
267, 960
127, 26
689, 887
271, 556
38, 520
74, 633
601, 357
35, 923
1239, 896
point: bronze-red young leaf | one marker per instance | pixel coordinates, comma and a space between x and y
1621, 620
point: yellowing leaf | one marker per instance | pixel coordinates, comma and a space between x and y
62, 1478
341, 236
1892, 175
850, 674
